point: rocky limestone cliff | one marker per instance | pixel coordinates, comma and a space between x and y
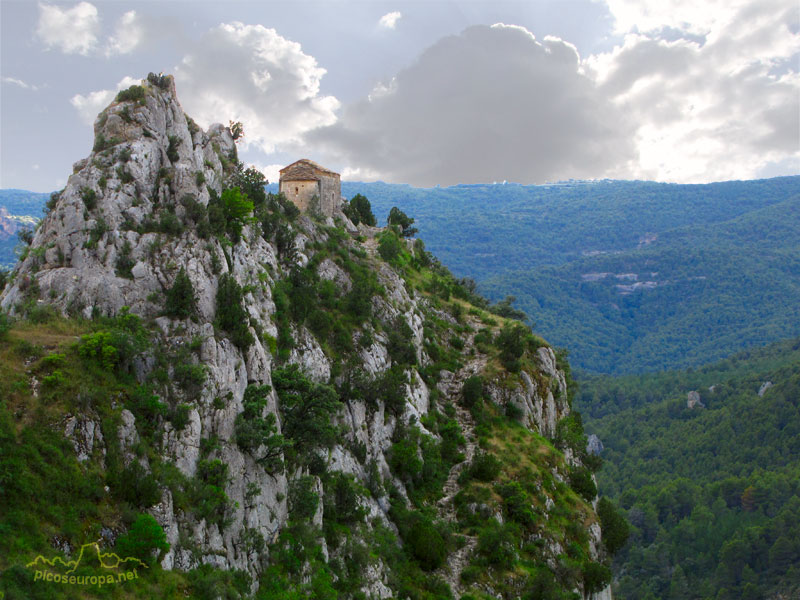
126, 227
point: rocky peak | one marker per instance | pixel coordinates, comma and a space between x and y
148, 161
242, 309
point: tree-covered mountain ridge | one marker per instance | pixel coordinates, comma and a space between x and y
705, 464
264, 403
630, 276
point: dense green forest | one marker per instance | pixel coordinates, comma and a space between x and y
712, 493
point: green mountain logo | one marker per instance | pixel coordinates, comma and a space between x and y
107, 567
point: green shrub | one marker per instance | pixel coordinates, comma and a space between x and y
496, 543
231, 315
251, 182
5, 322
614, 527
169, 223
399, 346
172, 148
144, 538
401, 222
124, 264
124, 175
195, 211
511, 343
180, 301
211, 583
207, 492
389, 247
452, 439
404, 459
341, 499
51, 204
472, 391
99, 345
513, 412
426, 544
236, 208
390, 387
359, 210
160, 81
307, 409
101, 143
89, 197
303, 500
135, 93
147, 408
189, 376
516, 503
580, 480
424, 258
253, 431
99, 229
135, 485
55, 379
484, 467
595, 577
180, 416
543, 585
118, 344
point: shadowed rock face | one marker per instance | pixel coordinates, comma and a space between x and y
111, 241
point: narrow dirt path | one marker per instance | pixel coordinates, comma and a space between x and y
458, 560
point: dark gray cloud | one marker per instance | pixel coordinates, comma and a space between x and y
489, 104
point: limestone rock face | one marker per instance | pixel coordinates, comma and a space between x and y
542, 400
594, 445
145, 160
693, 400
118, 236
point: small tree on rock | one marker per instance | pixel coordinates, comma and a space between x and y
359, 210
145, 536
400, 220
181, 302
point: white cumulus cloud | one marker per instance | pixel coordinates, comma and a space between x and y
389, 20
127, 35
92, 103
71, 30
250, 73
724, 105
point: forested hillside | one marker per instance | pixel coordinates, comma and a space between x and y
630, 276
712, 492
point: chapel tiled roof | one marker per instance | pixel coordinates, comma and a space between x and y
304, 170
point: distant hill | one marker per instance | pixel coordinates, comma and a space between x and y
18, 209
713, 492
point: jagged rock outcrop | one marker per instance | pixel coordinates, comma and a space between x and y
693, 400
594, 445
129, 222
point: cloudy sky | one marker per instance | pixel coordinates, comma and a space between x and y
424, 93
